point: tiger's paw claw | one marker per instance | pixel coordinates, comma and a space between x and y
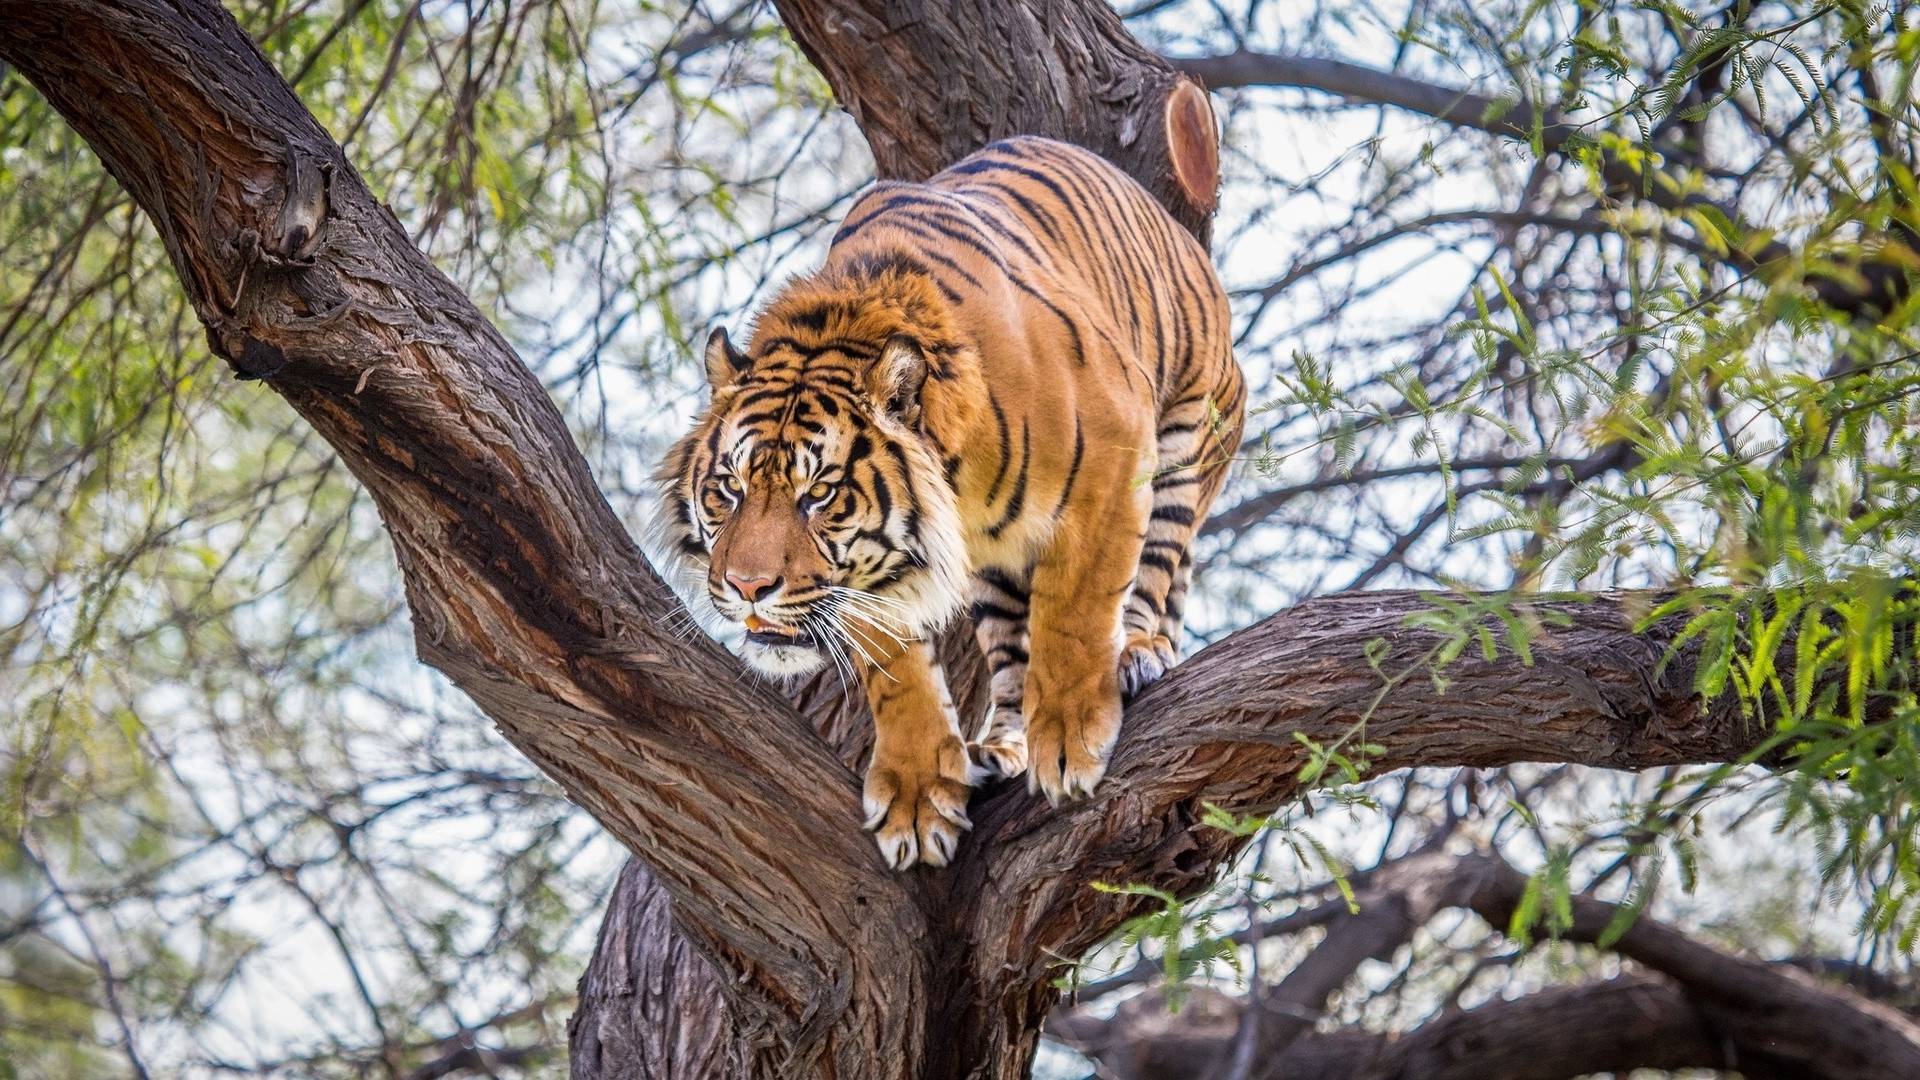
1067, 758
1144, 659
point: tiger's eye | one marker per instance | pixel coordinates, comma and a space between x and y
731, 483
819, 491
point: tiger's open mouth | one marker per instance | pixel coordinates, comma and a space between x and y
781, 651
769, 634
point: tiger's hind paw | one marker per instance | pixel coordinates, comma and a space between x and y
1001, 752
1143, 660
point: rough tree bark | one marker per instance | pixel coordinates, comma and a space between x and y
529, 594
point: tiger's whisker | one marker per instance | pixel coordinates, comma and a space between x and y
841, 665
883, 621
851, 629
846, 590
880, 625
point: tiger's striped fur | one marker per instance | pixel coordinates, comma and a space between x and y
1018, 372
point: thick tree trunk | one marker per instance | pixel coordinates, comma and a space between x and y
794, 952
651, 1004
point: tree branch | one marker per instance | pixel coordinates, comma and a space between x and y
1220, 731
1614, 1026
1878, 284
1066, 68
1705, 1008
1780, 1018
1462, 108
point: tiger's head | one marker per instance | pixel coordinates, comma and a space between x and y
808, 495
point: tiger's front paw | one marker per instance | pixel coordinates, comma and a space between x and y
917, 804
1067, 749
1143, 660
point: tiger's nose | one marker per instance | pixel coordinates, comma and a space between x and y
752, 588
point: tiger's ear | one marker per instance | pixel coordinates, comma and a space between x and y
724, 362
897, 378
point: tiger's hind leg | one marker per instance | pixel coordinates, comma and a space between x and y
1080, 585
1000, 601
1196, 439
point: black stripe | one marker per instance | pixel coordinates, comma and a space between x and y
1006, 447
987, 609
1014, 655
1098, 241
940, 226
935, 237
858, 450
1018, 500
1033, 210
873, 264
813, 318
1157, 561
912, 523
882, 198
1073, 470
858, 350
1000, 579
1093, 241
758, 417
1099, 195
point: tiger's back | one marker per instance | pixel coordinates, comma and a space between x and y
1064, 270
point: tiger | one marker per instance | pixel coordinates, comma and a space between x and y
1009, 390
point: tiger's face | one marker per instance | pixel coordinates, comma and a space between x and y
819, 520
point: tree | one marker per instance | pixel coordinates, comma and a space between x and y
526, 592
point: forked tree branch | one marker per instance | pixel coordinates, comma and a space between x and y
1223, 729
